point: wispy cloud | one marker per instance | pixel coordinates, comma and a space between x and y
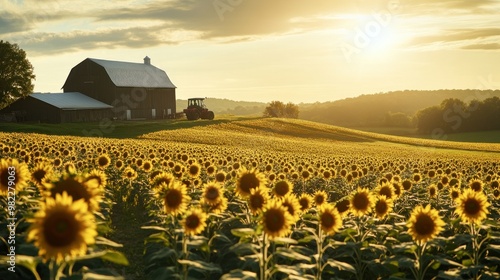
64, 26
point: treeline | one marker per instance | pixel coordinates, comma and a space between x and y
391, 109
454, 115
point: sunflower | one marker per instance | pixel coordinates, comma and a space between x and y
362, 202
454, 193
407, 184
99, 176
62, 228
129, 173
147, 166
218, 207
476, 185
496, 193
343, 206
385, 189
162, 178
329, 218
194, 170
174, 196
77, 187
292, 204
320, 197
305, 202
424, 224
220, 176
282, 187
212, 193
103, 161
383, 207
276, 220
41, 175
432, 191
257, 200
194, 221
248, 180
13, 174
472, 206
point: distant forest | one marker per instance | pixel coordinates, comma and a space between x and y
454, 115
422, 109
392, 109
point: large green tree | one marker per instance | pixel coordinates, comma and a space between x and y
16, 73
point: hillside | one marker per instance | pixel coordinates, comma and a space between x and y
372, 109
229, 107
288, 134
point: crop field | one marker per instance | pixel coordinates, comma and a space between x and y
248, 199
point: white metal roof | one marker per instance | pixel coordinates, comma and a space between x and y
129, 74
70, 101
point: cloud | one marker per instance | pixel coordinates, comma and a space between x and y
460, 37
64, 25
490, 46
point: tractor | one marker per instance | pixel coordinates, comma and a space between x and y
196, 109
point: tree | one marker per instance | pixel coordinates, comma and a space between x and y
16, 73
278, 109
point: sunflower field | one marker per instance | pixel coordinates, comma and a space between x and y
252, 199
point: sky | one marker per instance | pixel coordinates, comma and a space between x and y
263, 50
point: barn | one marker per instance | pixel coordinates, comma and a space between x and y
98, 89
135, 90
57, 108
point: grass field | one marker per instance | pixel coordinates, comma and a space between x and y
250, 199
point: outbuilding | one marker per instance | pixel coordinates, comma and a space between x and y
57, 108
134, 90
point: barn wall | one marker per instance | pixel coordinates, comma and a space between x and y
92, 80
33, 110
91, 115
141, 101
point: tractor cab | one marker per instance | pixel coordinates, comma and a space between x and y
196, 109
196, 103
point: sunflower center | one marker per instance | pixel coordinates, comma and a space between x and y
212, 193
256, 201
386, 191
248, 181
173, 198
274, 220
281, 188
192, 221
343, 205
424, 225
304, 204
39, 174
289, 207
471, 207
319, 199
381, 207
476, 186
74, 189
327, 220
60, 229
360, 201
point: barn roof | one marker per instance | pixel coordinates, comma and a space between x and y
70, 101
129, 74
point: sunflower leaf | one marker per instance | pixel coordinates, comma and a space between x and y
242, 232
115, 257
104, 241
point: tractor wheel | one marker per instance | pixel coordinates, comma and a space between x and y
210, 115
195, 116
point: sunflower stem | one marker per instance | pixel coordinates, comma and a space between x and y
263, 261
185, 255
320, 252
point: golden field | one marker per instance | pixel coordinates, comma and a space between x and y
251, 199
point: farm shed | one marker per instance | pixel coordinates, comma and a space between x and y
57, 108
135, 90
